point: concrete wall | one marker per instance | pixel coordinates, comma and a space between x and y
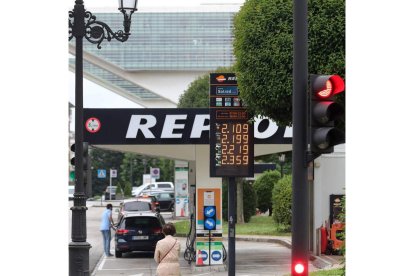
329, 178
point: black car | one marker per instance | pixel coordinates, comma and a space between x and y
139, 231
165, 200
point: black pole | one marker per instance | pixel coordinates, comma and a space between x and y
300, 189
232, 226
209, 247
79, 247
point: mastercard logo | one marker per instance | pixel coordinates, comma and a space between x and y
220, 78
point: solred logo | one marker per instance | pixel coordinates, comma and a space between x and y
220, 78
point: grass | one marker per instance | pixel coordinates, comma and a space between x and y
330, 272
258, 225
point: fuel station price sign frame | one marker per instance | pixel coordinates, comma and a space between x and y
231, 133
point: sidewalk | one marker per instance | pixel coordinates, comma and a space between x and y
322, 261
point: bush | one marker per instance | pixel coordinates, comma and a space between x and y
264, 187
128, 190
282, 201
249, 201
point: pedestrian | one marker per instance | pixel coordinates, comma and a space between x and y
106, 224
167, 253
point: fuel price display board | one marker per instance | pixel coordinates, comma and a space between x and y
231, 135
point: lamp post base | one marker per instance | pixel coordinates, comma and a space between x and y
79, 258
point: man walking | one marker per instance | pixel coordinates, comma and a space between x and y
106, 223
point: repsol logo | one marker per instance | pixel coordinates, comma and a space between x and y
168, 126
175, 124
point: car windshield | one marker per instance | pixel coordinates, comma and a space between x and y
139, 222
137, 206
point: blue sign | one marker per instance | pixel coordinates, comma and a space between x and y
209, 224
209, 211
216, 255
204, 255
227, 90
101, 173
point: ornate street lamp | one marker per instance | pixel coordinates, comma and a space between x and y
282, 162
82, 24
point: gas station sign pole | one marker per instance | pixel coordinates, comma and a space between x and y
231, 145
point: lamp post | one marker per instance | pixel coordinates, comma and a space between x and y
130, 171
82, 24
282, 162
145, 162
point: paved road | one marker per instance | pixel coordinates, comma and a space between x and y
252, 258
94, 237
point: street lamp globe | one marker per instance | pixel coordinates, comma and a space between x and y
127, 7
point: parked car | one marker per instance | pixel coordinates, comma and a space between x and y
154, 186
165, 199
133, 205
113, 192
151, 192
138, 232
155, 205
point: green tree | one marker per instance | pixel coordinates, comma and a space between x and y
282, 201
249, 200
105, 160
264, 187
263, 47
197, 93
135, 165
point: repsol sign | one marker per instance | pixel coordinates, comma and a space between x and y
165, 126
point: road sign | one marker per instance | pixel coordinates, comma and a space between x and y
113, 173
93, 125
209, 224
155, 173
101, 173
209, 211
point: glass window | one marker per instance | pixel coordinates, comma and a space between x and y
137, 206
164, 186
139, 222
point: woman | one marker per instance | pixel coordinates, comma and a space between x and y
167, 253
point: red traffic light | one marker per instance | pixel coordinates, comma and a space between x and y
325, 86
299, 268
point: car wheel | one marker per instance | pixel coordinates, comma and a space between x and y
118, 254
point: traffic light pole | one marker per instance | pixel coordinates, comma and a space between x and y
300, 189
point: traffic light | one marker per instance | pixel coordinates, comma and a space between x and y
209, 217
299, 268
325, 113
84, 155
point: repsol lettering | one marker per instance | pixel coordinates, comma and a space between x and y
169, 126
